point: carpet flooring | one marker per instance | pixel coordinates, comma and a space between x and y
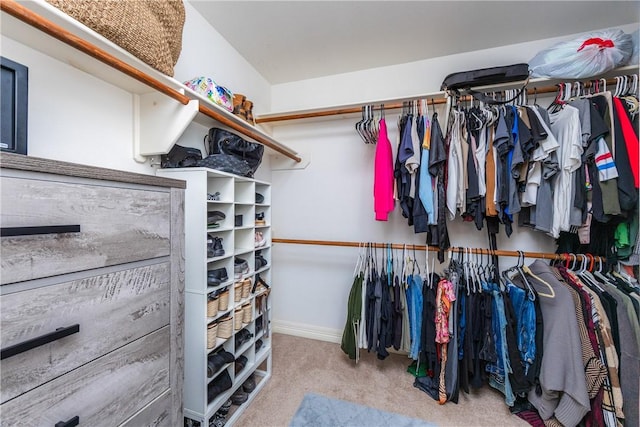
321, 411
302, 366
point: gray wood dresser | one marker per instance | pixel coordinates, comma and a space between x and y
91, 296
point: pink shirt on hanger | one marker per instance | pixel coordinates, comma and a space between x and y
383, 175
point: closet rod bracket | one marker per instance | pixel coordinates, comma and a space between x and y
283, 163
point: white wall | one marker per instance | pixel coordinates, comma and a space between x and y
402, 80
332, 199
74, 116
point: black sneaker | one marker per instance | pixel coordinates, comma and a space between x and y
218, 250
250, 384
217, 276
241, 362
259, 345
259, 198
242, 337
239, 397
218, 420
214, 217
224, 409
217, 361
214, 246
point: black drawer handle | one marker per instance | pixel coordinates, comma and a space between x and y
12, 350
45, 229
71, 423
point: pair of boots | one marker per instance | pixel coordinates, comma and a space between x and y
243, 107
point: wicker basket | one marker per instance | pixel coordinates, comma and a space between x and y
237, 319
223, 304
237, 291
149, 29
225, 328
212, 335
246, 313
246, 288
212, 306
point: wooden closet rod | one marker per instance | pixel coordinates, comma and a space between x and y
29, 17
395, 105
527, 254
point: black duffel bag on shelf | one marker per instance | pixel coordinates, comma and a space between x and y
180, 157
231, 153
464, 81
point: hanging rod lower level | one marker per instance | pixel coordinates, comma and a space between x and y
411, 247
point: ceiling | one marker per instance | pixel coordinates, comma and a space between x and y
295, 40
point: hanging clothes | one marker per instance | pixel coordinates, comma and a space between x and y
414, 298
383, 175
500, 370
565, 124
420, 214
385, 321
425, 188
455, 167
400, 172
438, 235
445, 295
349, 342
563, 389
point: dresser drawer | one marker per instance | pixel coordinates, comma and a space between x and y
156, 414
112, 310
117, 225
104, 392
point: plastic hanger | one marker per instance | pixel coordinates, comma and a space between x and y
519, 269
598, 274
358, 261
557, 103
588, 277
551, 294
415, 261
618, 272
465, 266
479, 272
368, 125
573, 262
426, 267
359, 125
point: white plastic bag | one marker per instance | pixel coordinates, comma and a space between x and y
635, 58
586, 56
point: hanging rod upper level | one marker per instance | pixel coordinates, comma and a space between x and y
411, 247
46, 26
536, 86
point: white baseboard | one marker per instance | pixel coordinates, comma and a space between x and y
307, 331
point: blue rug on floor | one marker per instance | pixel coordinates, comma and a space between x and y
320, 411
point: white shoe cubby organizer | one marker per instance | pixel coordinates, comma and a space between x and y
237, 197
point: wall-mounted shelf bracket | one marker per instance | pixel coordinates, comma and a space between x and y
158, 123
